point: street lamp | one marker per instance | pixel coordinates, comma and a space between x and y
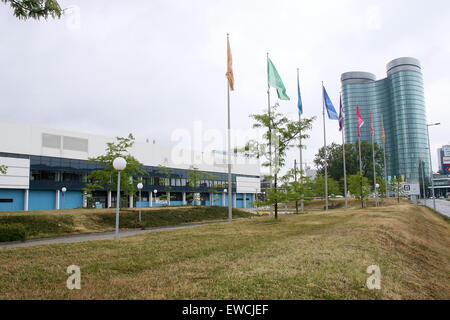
155, 192
63, 190
431, 164
224, 198
140, 186
119, 164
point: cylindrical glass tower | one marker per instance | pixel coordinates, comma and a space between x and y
398, 101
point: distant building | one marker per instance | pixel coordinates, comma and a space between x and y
444, 159
398, 101
41, 161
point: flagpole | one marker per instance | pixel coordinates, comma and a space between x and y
302, 205
230, 183
384, 156
295, 178
325, 150
345, 168
270, 131
342, 127
373, 160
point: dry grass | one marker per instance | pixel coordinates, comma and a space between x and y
313, 256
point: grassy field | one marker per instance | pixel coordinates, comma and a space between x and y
42, 224
312, 256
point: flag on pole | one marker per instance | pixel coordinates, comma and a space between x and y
372, 130
341, 114
332, 114
275, 81
229, 73
383, 134
299, 104
360, 121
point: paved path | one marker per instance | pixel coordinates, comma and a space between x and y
95, 236
442, 206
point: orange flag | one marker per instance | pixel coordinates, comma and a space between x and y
229, 73
383, 134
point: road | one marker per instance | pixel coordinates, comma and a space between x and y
442, 206
94, 236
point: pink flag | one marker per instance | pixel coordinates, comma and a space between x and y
360, 121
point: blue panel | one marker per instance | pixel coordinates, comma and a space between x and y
217, 200
42, 200
250, 199
71, 200
176, 203
240, 203
142, 204
17, 197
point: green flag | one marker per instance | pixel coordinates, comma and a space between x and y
275, 81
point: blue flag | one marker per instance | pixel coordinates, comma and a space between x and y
300, 105
332, 114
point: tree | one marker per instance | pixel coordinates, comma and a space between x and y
335, 161
106, 178
296, 186
35, 9
318, 186
3, 169
359, 186
280, 135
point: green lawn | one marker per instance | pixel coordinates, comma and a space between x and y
313, 256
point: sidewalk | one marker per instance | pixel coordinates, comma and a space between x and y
95, 236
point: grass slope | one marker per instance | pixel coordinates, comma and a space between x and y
70, 222
313, 256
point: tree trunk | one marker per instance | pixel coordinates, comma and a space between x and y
276, 192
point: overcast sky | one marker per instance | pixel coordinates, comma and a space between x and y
150, 67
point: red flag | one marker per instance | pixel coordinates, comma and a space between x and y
372, 130
383, 134
360, 121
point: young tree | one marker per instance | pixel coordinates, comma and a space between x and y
280, 134
106, 178
318, 186
295, 189
35, 9
359, 186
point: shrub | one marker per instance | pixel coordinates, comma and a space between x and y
12, 232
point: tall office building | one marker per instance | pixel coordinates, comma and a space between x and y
398, 100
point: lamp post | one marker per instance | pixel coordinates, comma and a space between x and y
155, 192
119, 164
431, 164
63, 190
140, 186
225, 192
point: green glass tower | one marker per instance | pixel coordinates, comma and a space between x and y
398, 101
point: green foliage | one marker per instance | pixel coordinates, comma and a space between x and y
12, 232
318, 186
382, 188
359, 186
35, 9
280, 134
42, 225
106, 179
336, 164
3, 169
